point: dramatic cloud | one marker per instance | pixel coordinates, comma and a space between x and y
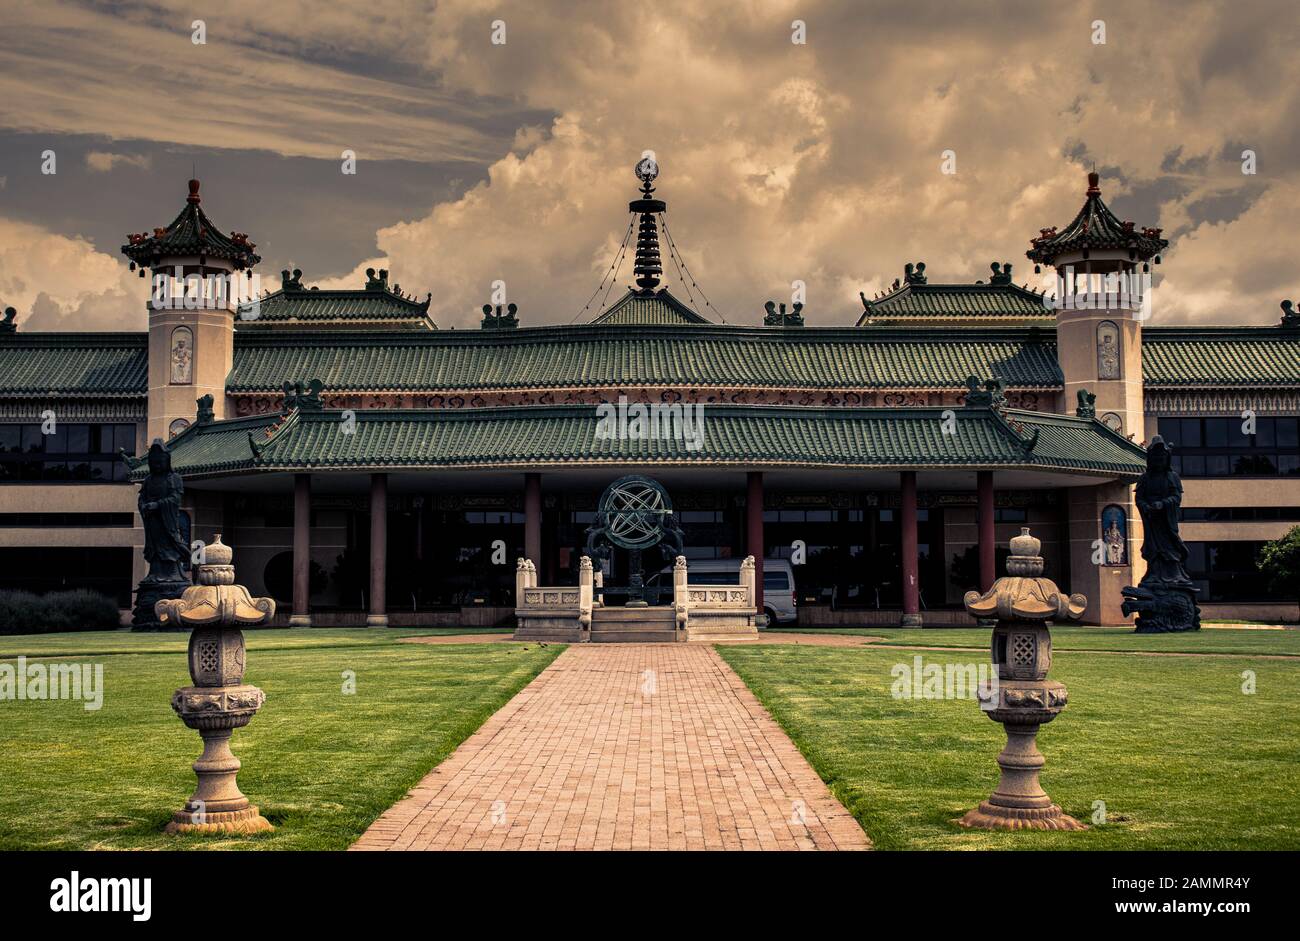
781, 162
60, 283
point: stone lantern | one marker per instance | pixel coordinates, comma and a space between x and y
214, 609
1024, 698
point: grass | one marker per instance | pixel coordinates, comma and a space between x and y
1219, 641
321, 765
1182, 758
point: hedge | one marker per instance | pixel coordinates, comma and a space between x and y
22, 612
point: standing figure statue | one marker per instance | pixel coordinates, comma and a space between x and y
1165, 599
164, 545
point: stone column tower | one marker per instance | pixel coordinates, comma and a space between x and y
199, 275
1102, 297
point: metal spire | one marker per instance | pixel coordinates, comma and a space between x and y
647, 266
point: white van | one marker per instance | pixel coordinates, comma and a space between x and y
778, 583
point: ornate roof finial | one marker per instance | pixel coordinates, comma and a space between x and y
647, 266
194, 196
1094, 183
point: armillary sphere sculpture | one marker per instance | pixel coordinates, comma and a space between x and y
634, 513
219, 701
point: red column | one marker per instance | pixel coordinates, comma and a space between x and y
378, 616
911, 565
533, 519
987, 539
301, 616
754, 532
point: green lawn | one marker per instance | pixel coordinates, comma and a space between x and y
1216, 640
320, 764
1182, 758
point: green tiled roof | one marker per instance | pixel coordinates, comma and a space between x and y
317, 309
699, 356
1183, 357
74, 364
957, 303
733, 435
659, 308
190, 233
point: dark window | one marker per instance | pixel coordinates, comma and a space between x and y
776, 581
73, 452
1226, 571
1220, 447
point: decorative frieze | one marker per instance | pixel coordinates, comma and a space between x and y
1200, 402
256, 404
92, 410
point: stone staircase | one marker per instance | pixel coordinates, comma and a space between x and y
654, 625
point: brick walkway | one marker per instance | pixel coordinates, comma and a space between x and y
623, 746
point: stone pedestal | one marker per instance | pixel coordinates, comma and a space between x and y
1162, 607
147, 595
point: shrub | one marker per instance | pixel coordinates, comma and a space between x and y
22, 612
1279, 560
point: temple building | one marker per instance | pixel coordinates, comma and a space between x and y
374, 469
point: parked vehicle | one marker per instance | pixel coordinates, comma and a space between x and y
778, 583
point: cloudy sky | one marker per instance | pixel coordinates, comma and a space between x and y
480, 161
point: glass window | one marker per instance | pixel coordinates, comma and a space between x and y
1193, 465
78, 439
1264, 433
1191, 433
1170, 429
775, 581
1287, 430
1218, 465
33, 441
1216, 432
10, 438
1237, 438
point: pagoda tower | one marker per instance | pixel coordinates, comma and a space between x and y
1103, 295
199, 275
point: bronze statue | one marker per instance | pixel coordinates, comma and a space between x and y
1165, 599
164, 545
160, 509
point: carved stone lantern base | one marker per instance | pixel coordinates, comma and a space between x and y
217, 805
1019, 801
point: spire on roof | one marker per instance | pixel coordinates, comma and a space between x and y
647, 266
191, 233
1095, 228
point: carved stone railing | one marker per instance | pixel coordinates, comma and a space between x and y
703, 610
554, 609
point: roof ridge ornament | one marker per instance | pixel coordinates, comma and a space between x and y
993, 395
775, 318
914, 274
291, 283
499, 319
1290, 316
648, 266
304, 398
7, 325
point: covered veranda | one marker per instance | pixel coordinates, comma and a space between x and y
881, 499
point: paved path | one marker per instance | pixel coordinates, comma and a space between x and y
623, 746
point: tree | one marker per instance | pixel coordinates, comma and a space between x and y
1279, 560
